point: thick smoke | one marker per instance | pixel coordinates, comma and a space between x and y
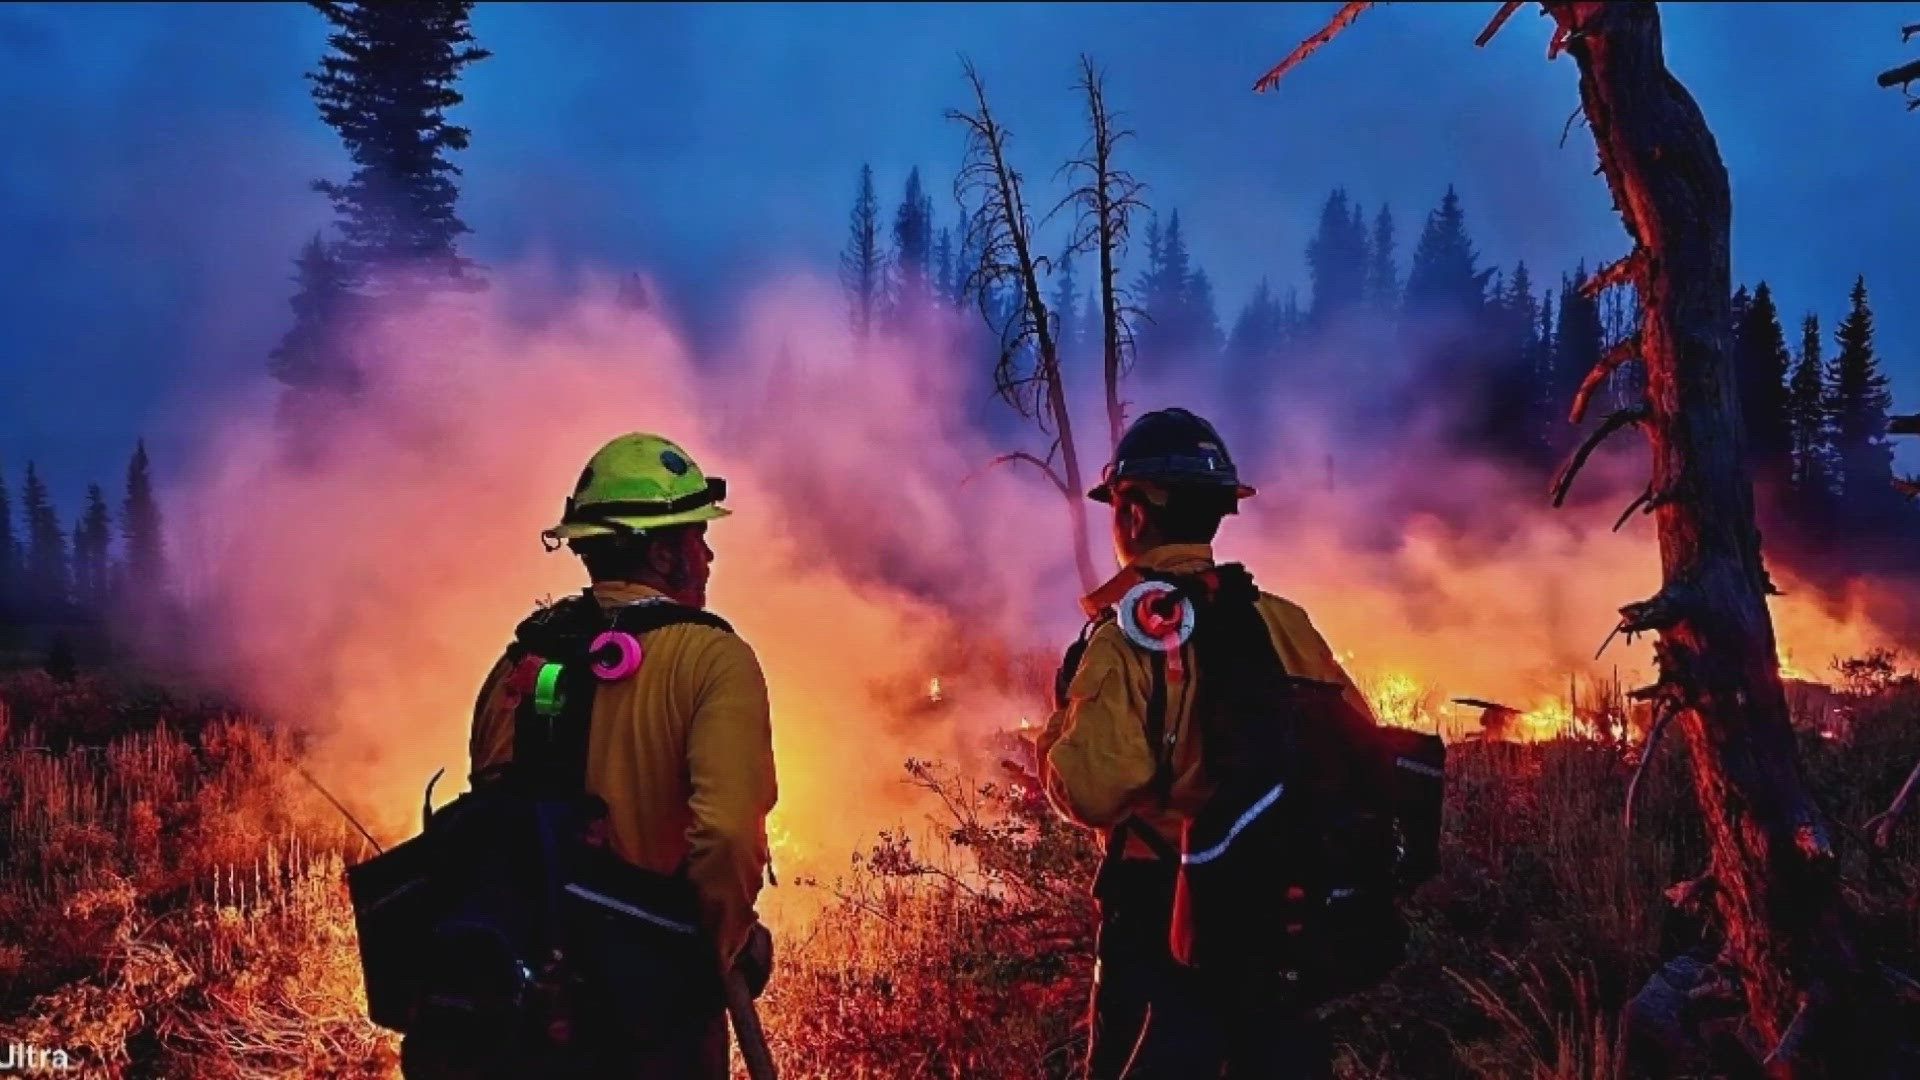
360, 589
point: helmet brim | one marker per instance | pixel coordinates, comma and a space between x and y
580, 529
1103, 493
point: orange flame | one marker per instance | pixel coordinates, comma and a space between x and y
363, 593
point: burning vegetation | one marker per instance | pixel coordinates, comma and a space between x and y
178, 908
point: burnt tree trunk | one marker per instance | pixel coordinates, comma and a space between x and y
1774, 874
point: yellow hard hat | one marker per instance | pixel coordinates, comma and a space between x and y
638, 481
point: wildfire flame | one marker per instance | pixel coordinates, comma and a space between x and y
443, 463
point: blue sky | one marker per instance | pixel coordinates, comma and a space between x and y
156, 157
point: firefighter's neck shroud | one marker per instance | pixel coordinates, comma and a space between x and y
508, 931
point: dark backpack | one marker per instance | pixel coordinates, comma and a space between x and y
507, 931
1318, 821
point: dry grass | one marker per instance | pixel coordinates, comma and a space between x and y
174, 908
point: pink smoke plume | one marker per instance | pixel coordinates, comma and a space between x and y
362, 593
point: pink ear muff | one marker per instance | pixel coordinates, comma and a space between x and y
615, 655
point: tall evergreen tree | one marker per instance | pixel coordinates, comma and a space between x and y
1518, 356
1203, 317
1160, 291
1549, 413
1065, 304
943, 265
966, 259
1383, 278
1176, 265
1860, 400
1760, 373
1257, 335
1181, 325
1578, 340
385, 88
912, 246
46, 562
1337, 260
92, 539
1807, 421
863, 270
316, 351
1445, 279
140, 525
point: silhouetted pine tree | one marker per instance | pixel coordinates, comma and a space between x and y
943, 265
1445, 281
1760, 373
1516, 389
1859, 410
1383, 278
385, 88
863, 269
46, 562
1808, 423
1181, 325
1065, 305
316, 352
912, 264
1204, 337
1578, 339
140, 526
1257, 337
966, 259
1337, 260
92, 540
1549, 413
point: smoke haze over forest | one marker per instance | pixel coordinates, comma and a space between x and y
156, 175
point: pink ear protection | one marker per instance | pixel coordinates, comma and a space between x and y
615, 655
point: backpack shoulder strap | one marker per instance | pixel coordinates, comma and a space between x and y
553, 724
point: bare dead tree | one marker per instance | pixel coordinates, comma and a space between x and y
1906, 73
1812, 1001
1106, 197
1027, 374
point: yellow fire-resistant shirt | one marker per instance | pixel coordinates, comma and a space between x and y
1094, 757
682, 752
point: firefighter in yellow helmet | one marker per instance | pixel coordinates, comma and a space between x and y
1122, 754
679, 745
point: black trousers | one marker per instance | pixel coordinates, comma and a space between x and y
1152, 1018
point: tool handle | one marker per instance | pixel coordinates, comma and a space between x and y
746, 1028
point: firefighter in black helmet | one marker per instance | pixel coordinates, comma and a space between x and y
1121, 754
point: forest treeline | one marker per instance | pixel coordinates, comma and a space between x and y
1500, 352
110, 557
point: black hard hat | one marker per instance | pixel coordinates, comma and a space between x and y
1171, 446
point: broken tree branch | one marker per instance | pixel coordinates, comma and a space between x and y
1661, 611
1643, 499
1879, 828
1625, 349
1045, 469
1341, 20
1901, 75
1626, 270
1563, 482
1499, 20
1670, 708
